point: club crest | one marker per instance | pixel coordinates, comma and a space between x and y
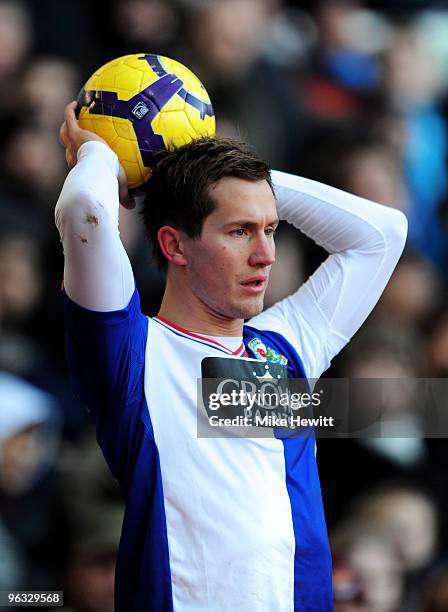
266, 353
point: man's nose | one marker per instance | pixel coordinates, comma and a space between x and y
263, 253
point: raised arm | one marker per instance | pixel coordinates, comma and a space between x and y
97, 272
106, 332
365, 241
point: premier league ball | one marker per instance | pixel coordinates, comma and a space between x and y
143, 103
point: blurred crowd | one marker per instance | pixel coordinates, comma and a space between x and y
351, 93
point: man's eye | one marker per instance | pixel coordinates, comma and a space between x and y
270, 231
241, 231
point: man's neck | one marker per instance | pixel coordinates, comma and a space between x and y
186, 310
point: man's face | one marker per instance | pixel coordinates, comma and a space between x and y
229, 264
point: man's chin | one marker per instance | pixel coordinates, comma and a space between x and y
247, 309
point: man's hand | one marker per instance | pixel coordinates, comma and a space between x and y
72, 137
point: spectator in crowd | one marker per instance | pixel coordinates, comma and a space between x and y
16, 36
383, 358
413, 85
33, 166
409, 519
147, 24
29, 439
252, 99
369, 553
25, 324
47, 84
413, 292
90, 573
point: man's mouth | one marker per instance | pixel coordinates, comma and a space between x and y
255, 284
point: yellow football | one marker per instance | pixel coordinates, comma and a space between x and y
143, 103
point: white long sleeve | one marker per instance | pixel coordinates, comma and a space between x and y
365, 241
97, 271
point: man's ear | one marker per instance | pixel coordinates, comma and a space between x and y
171, 244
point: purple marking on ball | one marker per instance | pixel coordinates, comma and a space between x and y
154, 97
154, 63
204, 108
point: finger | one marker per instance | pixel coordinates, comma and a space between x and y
63, 139
69, 115
126, 199
71, 160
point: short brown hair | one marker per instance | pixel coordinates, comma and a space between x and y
177, 193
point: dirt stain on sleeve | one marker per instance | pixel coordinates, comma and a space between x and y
92, 220
83, 240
